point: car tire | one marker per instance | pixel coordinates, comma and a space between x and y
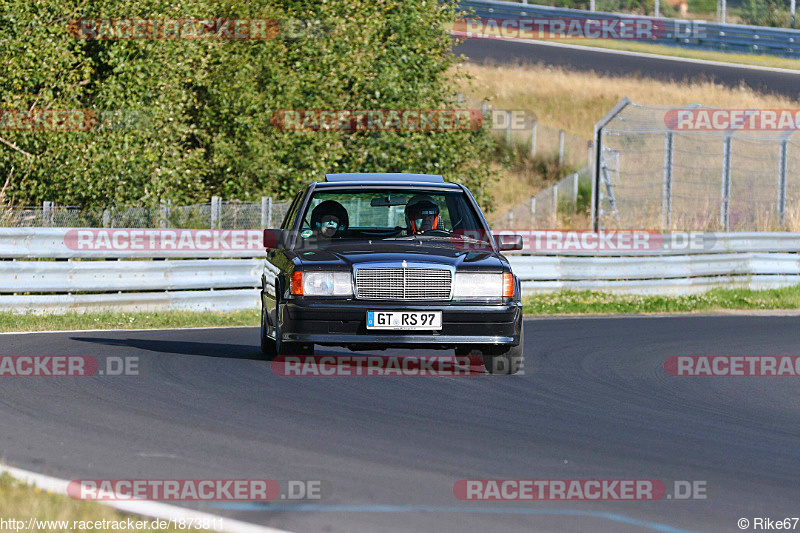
505, 360
268, 347
271, 348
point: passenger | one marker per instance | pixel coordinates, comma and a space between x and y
329, 219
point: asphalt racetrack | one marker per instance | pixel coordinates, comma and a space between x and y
609, 63
595, 403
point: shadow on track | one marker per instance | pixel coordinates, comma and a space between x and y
202, 349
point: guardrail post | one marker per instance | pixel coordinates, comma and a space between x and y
216, 206
725, 197
666, 193
47, 214
561, 136
782, 181
266, 212
533, 139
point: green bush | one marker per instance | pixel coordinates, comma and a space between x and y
771, 13
202, 109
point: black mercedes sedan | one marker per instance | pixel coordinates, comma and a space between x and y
375, 261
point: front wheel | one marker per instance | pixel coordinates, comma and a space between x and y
498, 359
271, 348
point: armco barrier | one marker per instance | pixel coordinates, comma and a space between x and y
696, 34
79, 280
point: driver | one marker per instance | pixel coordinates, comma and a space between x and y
422, 214
329, 219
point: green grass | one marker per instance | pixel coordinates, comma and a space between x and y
108, 320
22, 502
589, 302
674, 51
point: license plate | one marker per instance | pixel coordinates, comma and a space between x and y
430, 320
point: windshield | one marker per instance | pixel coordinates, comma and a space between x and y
404, 214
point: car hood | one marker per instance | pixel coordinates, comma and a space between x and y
362, 254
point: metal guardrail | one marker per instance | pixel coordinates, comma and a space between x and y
30, 281
53, 243
696, 34
704, 243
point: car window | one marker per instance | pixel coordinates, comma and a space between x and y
381, 214
291, 214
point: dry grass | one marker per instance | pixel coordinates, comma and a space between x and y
21, 502
574, 101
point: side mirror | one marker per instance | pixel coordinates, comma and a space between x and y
274, 238
509, 242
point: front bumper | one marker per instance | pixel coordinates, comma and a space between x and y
343, 322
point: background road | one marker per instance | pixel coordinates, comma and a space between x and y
613, 64
595, 402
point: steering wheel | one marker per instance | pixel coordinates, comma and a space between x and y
437, 233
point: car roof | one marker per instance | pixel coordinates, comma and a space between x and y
386, 180
383, 176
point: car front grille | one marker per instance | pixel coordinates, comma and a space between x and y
403, 283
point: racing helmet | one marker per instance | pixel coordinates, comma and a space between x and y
422, 214
329, 218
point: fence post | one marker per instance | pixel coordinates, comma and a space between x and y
47, 214
533, 210
266, 212
725, 196
164, 212
106, 218
508, 128
782, 180
483, 108
657, 9
575, 190
591, 150
591, 5
666, 193
216, 204
533, 139
560, 147
511, 219
555, 205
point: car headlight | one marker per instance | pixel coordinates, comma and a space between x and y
477, 285
325, 284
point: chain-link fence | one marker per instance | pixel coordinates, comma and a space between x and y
564, 204
216, 214
667, 168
